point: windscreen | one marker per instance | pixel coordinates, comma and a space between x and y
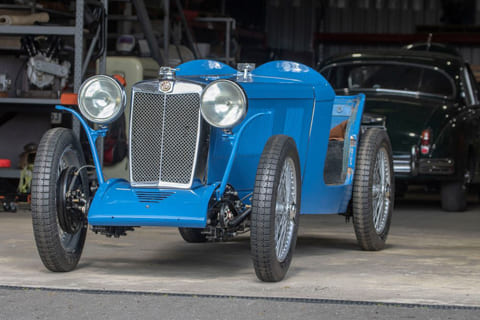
383, 76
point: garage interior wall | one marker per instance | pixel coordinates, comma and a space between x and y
300, 20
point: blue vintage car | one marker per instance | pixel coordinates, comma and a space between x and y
216, 152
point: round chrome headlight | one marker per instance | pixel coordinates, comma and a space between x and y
223, 104
101, 99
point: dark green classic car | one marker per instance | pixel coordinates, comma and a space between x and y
430, 102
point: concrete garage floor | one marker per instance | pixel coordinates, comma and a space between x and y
433, 257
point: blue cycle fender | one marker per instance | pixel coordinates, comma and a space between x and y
92, 136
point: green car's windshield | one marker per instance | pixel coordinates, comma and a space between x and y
384, 76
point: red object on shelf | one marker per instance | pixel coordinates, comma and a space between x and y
5, 163
190, 15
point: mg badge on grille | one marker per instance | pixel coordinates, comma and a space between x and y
166, 86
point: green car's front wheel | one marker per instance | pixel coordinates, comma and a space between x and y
275, 209
59, 189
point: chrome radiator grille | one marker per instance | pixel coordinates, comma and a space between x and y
164, 131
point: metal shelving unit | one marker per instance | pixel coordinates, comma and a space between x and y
9, 173
29, 101
76, 31
81, 60
38, 30
230, 25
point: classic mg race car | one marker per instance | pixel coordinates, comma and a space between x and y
216, 152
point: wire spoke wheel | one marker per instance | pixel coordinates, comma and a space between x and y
381, 185
373, 190
275, 209
285, 210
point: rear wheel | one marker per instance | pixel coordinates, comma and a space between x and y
275, 209
401, 189
192, 235
454, 196
373, 190
58, 188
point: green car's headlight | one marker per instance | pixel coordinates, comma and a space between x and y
101, 99
223, 104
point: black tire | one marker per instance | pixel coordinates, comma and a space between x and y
60, 251
279, 154
454, 196
374, 149
192, 235
13, 207
10, 206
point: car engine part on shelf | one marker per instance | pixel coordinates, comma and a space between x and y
5, 82
43, 66
42, 71
12, 69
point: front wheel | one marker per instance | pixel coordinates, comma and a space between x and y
59, 188
275, 209
373, 190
